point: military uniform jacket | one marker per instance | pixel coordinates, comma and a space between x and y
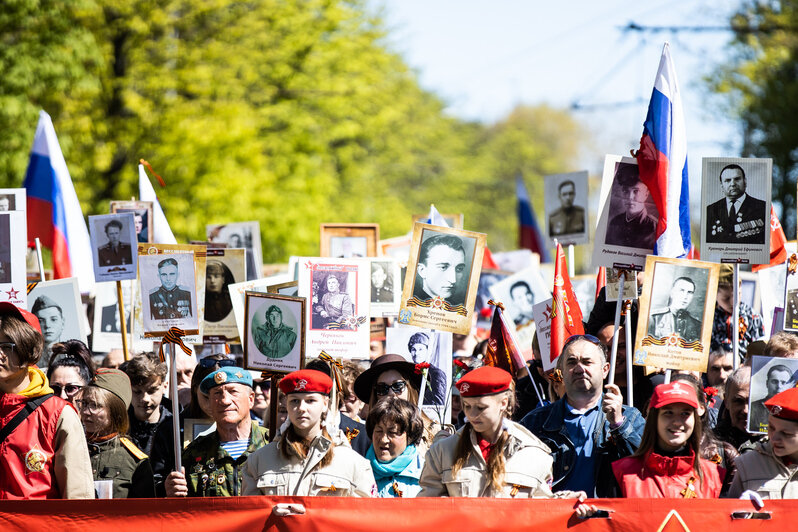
211, 472
664, 322
528, 468
267, 472
108, 256
567, 221
119, 459
640, 232
274, 343
170, 304
747, 227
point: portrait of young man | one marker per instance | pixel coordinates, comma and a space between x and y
115, 252
676, 318
569, 218
274, 338
442, 270
633, 226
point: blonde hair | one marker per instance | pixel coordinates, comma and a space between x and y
292, 443
118, 421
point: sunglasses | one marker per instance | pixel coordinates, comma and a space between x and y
209, 363
588, 337
70, 389
382, 389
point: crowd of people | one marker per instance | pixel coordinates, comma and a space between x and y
74, 430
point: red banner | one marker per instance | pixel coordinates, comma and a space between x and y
367, 515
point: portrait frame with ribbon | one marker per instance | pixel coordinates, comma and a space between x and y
274, 332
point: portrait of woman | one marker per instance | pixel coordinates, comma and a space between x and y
217, 297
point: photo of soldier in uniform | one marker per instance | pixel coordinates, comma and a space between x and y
274, 332
675, 317
382, 282
113, 240
331, 300
115, 252
57, 306
633, 221
273, 337
169, 301
419, 345
168, 285
769, 376
566, 198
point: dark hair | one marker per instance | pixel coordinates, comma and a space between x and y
72, 354
450, 241
394, 410
731, 167
517, 284
225, 271
627, 175
684, 279
274, 308
200, 372
113, 223
167, 262
779, 367
145, 369
418, 338
564, 183
28, 342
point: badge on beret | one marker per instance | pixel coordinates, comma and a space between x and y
775, 410
220, 377
239, 375
300, 385
464, 387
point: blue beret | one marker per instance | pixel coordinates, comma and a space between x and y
225, 375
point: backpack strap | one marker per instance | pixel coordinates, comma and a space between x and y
22, 415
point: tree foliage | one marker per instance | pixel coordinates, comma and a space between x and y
290, 113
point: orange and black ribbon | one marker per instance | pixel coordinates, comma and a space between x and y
496, 304
792, 263
271, 375
173, 336
335, 366
160, 179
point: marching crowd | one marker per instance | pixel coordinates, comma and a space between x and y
78, 431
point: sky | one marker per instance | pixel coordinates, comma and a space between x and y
484, 58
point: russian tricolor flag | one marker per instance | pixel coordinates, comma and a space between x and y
529, 235
54, 213
662, 161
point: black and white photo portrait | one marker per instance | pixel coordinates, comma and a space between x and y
769, 376
240, 235
8, 202
333, 298
12, 199
57, 306
169, 284
348, 247
737, 217
114, 244
633, 218
675, 316
566, 200
444, 264
520, 292
273, 336
419, 345
142, 217
274, 333
5, 249
386, 290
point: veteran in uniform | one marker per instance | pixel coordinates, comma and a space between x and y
114, 253
213, 464
169, 301
738, 218
676, 318
634, 227
569, 218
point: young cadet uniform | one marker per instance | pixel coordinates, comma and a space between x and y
268, 472
210, 470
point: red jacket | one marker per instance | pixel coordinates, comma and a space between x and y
659, 476
26, 456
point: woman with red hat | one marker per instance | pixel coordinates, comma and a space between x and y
668, 464
771, 468
490, 456
303, 460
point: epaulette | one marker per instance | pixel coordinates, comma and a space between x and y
131, 447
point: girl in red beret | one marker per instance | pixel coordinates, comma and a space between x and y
303, 460
490, 456
668, 463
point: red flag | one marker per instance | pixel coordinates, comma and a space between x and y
693, 254
601, 279
566, 316
503, 351
487, 261
777, 240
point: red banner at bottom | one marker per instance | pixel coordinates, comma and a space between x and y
354, 515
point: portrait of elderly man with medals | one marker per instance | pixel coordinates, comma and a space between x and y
169, 301
738, 217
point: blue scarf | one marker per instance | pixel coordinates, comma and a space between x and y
390, 469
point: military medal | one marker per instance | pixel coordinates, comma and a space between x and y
220, 479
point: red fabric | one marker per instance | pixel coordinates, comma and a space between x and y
40, 224
503, 351
674, 392
784, 404
485, 380
778, 253
22, 314
666, 476
601, 280
484, 447
566, 316
306, 381
34, 437
487, 261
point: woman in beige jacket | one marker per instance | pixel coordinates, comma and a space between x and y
303, 460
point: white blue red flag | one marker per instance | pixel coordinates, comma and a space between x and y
53, 210
161, 232
529, 235
662, 160
435, 218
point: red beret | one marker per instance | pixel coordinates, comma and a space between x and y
306, 381
486, 380
21, 313
674, 392
784, 404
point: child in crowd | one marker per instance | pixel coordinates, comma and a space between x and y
148, 384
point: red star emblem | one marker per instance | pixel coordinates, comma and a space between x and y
12, 294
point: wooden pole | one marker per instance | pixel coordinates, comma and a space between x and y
121, 303
615, 332
274, 404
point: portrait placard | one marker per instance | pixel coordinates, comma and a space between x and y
337, 292
238, 291
13, 246
566, 199
419, 345
142, 217
274, 332
106, 329
487, 279
113, 247
59, 309
613, 285
735, 207
442, 278
348, 241
455, 221
769, 376
749, 291
241, 235
386, 289
13, 199
223, 268
519, 293
676, 314
627, 221
542, 312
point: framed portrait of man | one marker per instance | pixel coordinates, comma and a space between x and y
455, 221
769, 376
348, 241
274, 332
386, 288
735, 203
106, 333
170, 293
676, 312
628, 218
238, 294
487, 279
519, 293
566, 197
13, 199
142, 217
442, 278
13, 247
223, 268
337, 310
114, 246
57, 306
240, 235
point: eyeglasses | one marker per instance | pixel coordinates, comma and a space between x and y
587, 337
7, 348
88, 406
209, 362
382, 389
70, 389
